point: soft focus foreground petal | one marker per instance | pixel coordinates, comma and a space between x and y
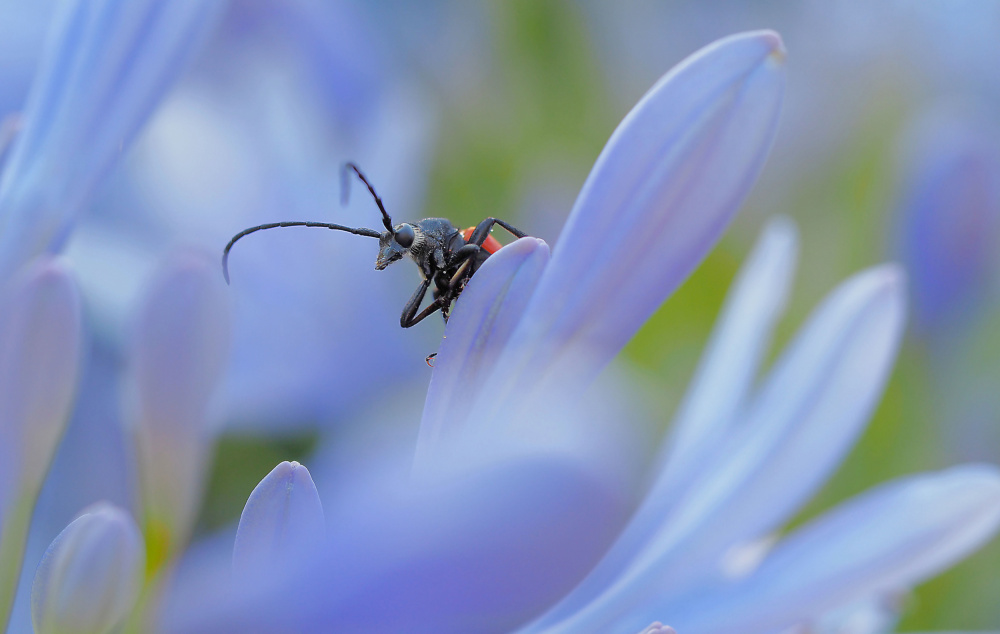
107, 64
179, 355
40, 343
477, 331
872, 615
892, 537
283, 518
739, 341
481, 553
90, 576
810, 410
669, 180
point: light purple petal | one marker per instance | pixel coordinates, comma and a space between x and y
718, 390
477, 331
669, 180
107, 65
483, 552
807, 416
892, 537
180, 353
282, 520
40, 342
90, 576
739, 341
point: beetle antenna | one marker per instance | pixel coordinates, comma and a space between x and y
360, 231
345, 189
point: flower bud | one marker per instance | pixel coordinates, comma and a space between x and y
283, 519
90, 575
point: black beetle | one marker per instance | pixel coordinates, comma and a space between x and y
446, 257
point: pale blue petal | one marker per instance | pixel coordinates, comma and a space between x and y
718, 390
669, 180
90, 576
107, 65
40, 344
282, 520
892, 537
479, 553
179, 356
741, 337
808, 415
478, 330
810, 411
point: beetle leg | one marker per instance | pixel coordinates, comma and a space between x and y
407, 318
432, 308
482, 231
457, 277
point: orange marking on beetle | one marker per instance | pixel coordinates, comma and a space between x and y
491, 244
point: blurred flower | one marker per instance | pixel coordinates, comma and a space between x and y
283, 517
949, 220
90, 576
179, 354
40, 343
105, 68
284, 93
947, 233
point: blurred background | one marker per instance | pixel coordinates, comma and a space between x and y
888, 150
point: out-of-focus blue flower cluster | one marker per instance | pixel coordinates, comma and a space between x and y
526, 497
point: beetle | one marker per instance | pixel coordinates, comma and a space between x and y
446, 256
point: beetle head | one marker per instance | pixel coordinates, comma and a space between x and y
394, 245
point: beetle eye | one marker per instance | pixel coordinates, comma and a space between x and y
404, 236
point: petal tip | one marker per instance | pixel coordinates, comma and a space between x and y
775, 44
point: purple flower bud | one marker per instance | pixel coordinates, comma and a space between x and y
90, 576
281, 522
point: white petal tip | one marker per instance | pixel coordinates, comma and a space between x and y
659, 628
777, 46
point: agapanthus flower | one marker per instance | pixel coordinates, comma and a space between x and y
104, 69
513, 514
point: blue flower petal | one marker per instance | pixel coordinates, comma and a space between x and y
180, 354
479, 328
892, 537
718, 391
107, 65
494, 547
808, 414
669, 180
732, 358
282, 520
40, 344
